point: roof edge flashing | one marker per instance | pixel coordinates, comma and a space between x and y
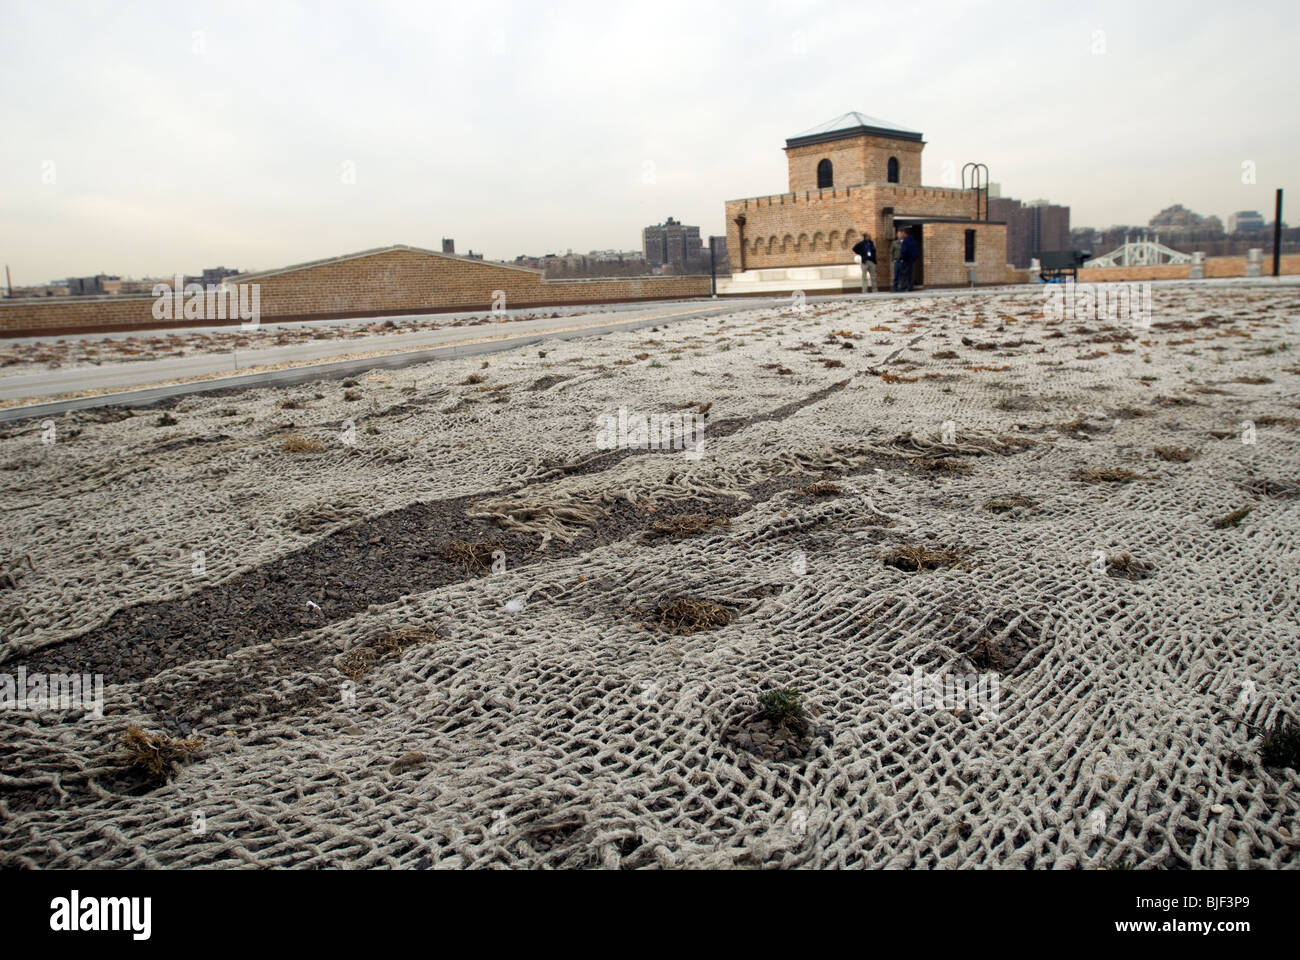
851, 134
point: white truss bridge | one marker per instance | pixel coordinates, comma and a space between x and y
1145, 252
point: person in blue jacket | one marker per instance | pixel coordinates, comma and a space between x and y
910, 252
865, 249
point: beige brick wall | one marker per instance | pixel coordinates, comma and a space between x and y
820, 227
943, 253
1214, 267
384, 282
857, 161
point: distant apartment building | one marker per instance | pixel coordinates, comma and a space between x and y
1031, 227
672, 247
1246, 221
41, 290
616, 256
596, 263
1178, 221
96, 286
214, 275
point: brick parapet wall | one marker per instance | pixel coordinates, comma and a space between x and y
1215, 268
388, 282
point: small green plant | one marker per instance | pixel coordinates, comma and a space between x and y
782, 707
655, 363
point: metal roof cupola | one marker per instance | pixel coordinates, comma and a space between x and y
852, 124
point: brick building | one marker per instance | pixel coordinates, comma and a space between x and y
851, 175
1031, 227
96, 286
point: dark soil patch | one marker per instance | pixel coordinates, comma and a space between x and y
946, 466
1271, 488
187, 442
375, 562
1006, 644
545, 383
1008, 504
822, 488
687, 525
1124, 566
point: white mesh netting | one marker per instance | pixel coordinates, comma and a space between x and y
546, 721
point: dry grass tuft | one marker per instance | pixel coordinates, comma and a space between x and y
471, 556
683, 617
1232, 519
1175, 454
360, 660
157, 755
914, 558
296, 444
822, 488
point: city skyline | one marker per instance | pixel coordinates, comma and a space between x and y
157, 144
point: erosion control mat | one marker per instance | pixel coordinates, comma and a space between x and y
966, 615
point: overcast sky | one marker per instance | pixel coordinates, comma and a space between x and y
180, 136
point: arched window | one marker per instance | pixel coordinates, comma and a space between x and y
893, 169
825, 176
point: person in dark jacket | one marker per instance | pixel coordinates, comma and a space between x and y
865, 249
910, 252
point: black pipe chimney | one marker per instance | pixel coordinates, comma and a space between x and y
1277, 233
